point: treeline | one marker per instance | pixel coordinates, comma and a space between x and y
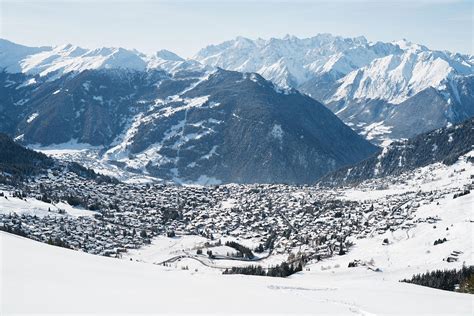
17, 161
450, 280
245, 251
90, 174
282, 270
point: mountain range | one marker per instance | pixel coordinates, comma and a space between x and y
385, 91
180, 123
242, 111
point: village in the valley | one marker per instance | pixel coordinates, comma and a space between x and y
240, 224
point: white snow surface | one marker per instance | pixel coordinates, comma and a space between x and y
33, 273
32, 117
68, 58
292, 60
366, 70
395, 78
392, 71
39, 208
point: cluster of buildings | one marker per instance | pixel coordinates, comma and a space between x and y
314, 221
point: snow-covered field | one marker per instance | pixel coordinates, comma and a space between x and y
412, 251
9, 204
180, 252
42, 279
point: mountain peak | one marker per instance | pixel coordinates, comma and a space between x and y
68, 58
408, 45
168, 55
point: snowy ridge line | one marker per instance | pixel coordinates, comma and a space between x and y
391, 71
56, 61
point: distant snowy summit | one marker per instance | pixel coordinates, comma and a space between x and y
63, 59
383, 90
391, 71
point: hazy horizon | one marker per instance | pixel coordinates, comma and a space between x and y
184, 27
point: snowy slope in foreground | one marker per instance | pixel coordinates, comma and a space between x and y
38, 278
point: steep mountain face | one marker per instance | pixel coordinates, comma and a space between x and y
188, 126
91, 107
234, 127
363, 83
444, 145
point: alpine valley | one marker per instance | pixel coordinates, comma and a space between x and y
321, 175
191, 121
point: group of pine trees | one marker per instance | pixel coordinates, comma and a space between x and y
57, 241
245, 251
282, 270
451, 280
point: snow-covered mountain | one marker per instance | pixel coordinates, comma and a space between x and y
362, 82
444, 145
291, 61
63, 59
397, 77
190, 126
384, 91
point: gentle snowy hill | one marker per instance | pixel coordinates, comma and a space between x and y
46, 279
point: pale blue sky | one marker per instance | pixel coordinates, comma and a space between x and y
186, 26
